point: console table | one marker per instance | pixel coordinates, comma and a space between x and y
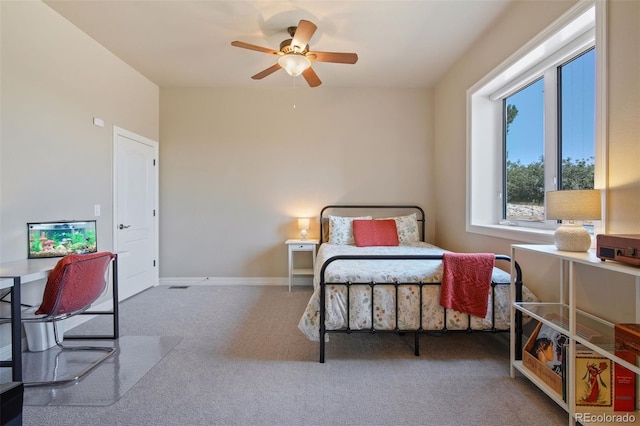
570, 323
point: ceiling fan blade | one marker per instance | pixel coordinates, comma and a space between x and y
312, 78
268, 71
254, 47
303, 34
340, 58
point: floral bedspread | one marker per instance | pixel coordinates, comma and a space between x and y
404, 271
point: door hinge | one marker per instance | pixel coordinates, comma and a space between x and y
154, 161
154, 263
154, 212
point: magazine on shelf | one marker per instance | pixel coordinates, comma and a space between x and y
541, 358
549, 348
594, 379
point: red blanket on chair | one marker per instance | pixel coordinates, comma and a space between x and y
466, 282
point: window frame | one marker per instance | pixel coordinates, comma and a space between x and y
485, 156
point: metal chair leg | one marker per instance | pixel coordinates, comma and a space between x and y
108, 352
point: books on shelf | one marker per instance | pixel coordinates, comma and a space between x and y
624, 383
594, 379
548, 348
602, 383
599, 382
627, 347
543, 354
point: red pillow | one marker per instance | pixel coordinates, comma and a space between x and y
383, 232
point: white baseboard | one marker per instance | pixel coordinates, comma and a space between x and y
181, 281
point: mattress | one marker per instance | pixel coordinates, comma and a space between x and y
384, 296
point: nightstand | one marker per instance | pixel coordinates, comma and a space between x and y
300, 245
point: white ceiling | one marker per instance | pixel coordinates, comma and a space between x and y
182, 43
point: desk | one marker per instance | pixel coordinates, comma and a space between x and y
14, 274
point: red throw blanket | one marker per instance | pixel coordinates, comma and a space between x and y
466, 282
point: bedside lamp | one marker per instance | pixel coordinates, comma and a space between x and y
569, 206
303, 226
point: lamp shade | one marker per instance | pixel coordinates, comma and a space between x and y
581, 204
303, 226
303, 223
570, 205
294, 63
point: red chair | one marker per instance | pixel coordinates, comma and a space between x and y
74, 284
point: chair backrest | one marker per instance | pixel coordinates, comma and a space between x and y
75, 283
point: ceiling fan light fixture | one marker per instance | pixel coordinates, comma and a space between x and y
294, 63
295, 57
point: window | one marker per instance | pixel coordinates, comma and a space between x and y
523, 114
525, 142
532, 128
577, 122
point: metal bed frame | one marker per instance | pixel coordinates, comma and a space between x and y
397, 330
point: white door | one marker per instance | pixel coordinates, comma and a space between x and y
135, 215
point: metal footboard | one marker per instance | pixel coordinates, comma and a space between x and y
397, 285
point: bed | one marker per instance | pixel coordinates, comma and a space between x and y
392, 288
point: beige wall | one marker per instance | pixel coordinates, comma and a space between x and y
238, 166
623, 208
521, 22
54, 163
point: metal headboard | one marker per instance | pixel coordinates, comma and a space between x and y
418, 210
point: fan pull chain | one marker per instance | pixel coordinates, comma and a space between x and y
294, 92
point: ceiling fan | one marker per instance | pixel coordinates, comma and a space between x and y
295, 57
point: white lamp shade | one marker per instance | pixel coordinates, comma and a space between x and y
573, 205
303, 226
303, 223
294, 63
580, 204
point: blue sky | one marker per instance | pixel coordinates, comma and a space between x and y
525, 139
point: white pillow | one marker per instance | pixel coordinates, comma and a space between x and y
341, 229
407, 228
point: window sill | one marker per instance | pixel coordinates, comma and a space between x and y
514, 233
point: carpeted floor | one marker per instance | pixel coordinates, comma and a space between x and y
242, 361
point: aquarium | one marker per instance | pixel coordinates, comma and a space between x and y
57, 239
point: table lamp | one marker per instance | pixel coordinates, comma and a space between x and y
303, 226
569, 206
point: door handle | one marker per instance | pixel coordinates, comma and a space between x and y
124, 226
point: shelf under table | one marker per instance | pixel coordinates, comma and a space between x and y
592, 332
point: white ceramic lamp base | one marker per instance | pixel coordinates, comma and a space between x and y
572, 237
